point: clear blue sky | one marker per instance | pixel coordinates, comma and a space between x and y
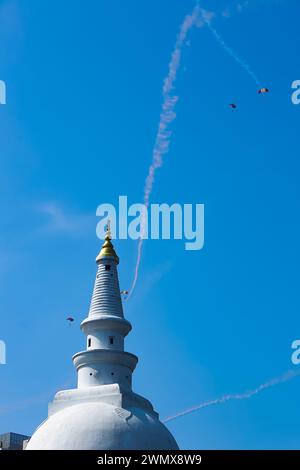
84, 84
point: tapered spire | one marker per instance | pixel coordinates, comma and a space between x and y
103, 412
106, 299
104, 361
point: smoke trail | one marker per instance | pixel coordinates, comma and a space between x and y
207, 16
167, 116
238, 396
198, 17
234, 55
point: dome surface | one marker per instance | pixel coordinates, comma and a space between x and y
100, 426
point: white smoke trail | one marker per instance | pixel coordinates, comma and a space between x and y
167, 116
230, 51
207, 16
198, 17
238, 396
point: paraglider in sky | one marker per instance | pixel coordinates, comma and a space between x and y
70, 320
233, 106
124, 293
263, 90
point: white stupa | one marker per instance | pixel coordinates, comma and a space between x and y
103, 412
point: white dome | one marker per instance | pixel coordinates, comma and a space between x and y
100, 426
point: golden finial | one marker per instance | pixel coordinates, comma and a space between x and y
107, 250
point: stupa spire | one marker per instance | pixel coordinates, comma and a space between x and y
104, 360
103, 413
106, 298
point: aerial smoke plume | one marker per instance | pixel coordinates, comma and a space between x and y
207, 17
229, 50
198, 17
291, 374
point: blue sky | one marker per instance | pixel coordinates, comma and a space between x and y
84, 83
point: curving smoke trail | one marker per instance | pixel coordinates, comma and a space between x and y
207, 17
233, 54
198, 17
167, 116
238, 396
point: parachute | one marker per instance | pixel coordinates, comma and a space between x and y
263, 90
70, 320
